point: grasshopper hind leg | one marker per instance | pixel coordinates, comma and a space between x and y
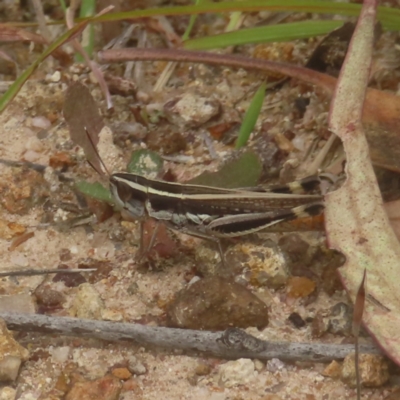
143, 249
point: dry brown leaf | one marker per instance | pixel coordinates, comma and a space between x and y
356, 222
12, 34
83, 119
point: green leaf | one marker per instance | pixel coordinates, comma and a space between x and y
145, 162
251, 116
244, 171
264, 34
95, 190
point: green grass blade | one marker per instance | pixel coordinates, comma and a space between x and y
316, 6
389, 17
88, 9
191, 23
251, 116
63, 6
263, 34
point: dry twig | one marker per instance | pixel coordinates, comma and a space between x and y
232, 343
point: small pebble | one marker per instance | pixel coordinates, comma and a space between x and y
41, 122
191, 110
48, 297
8, 230
333, 370
275, 365
260, 265
31, 156
239, 372
216, 304
55, 77
258, 365
202, 369
300, 286
60, 354
8, 393
106, 388
374, 370
121, 373
136, 366
87, 303
34, 144
12, 354
112, 315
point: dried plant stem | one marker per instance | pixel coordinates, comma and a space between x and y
165, 76
357, 367
134, 54
231, 344
33, 272
44, 30
319, 159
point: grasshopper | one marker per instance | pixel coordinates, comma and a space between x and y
209, 212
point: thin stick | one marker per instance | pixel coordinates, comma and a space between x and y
33, 272
34, 166
231, 344
134, 54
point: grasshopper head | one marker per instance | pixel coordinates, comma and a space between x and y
128, 195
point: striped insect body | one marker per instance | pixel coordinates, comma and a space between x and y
210, 212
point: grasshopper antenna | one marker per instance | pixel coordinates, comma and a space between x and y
96, 162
